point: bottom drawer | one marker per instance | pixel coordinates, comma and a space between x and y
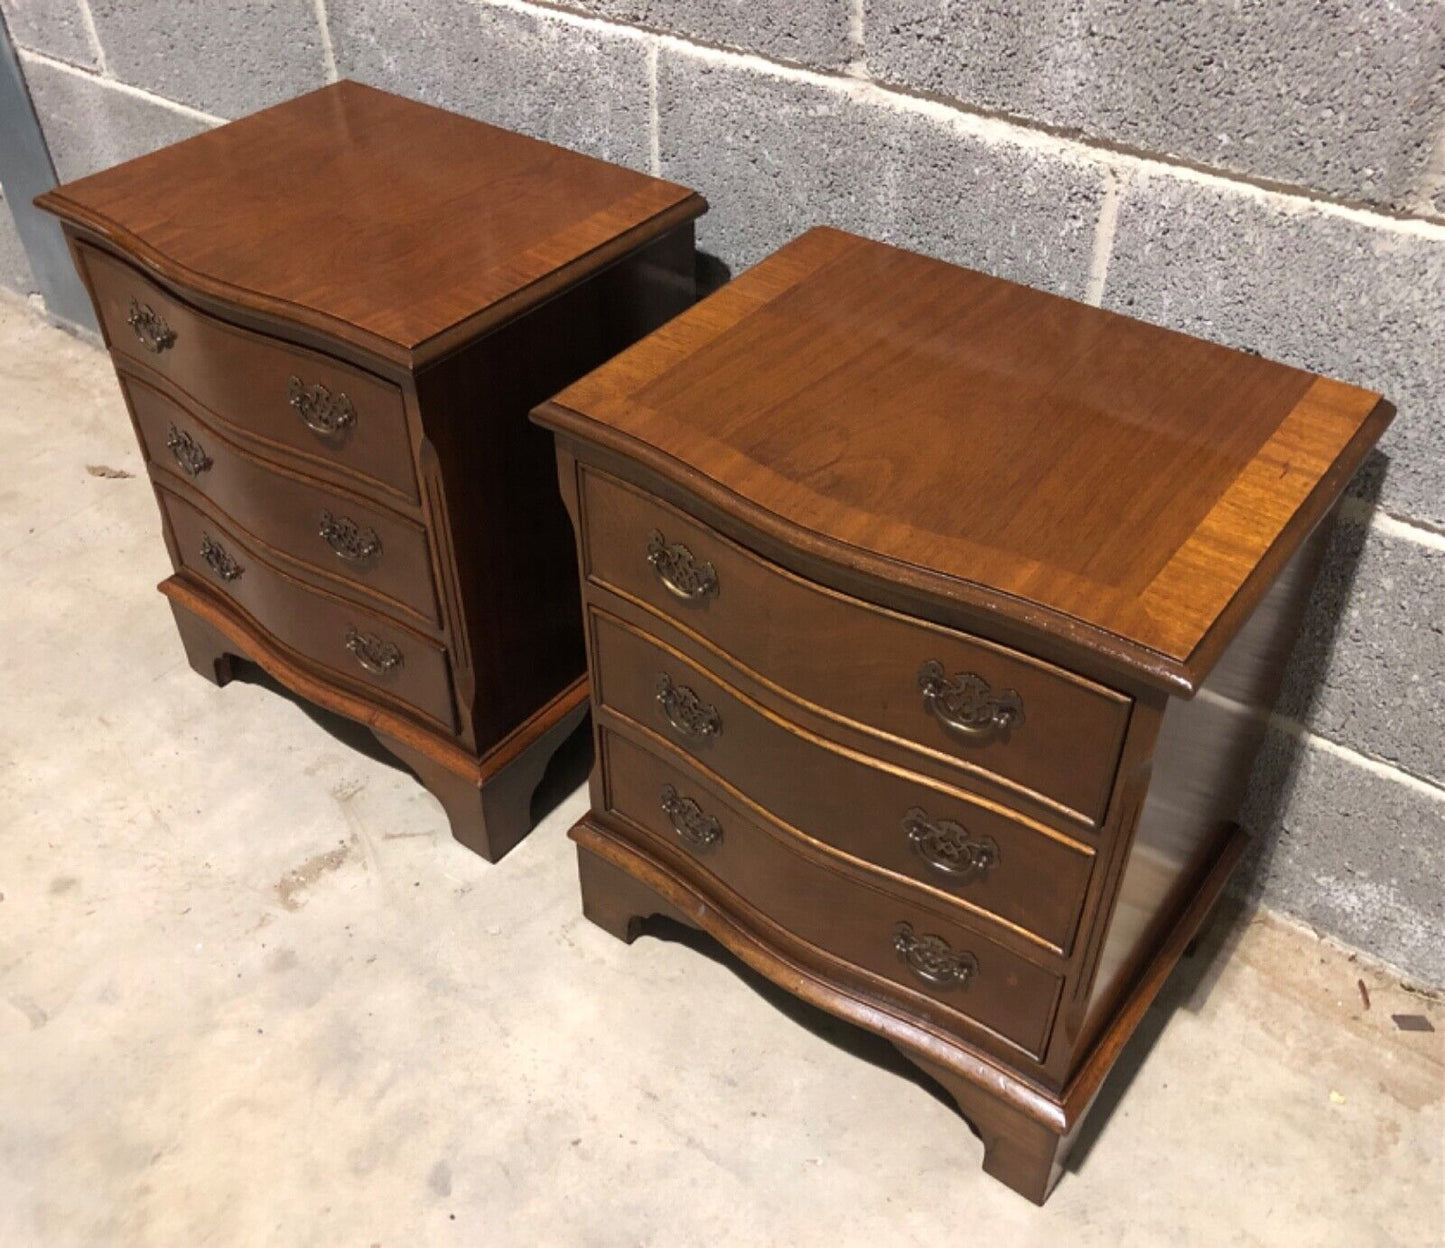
964, 976
360, 646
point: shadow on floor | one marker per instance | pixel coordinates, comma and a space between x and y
851, 1039
1188, 987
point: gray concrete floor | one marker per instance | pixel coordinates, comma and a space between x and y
251, 992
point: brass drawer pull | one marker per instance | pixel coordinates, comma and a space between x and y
377, 656
188, 452
966, 704
321, 411
697, 829
348, 539
222, 564
685, 711
681, 574
150, 327
948, 848
932, 959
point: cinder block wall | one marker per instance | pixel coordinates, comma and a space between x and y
1266, 173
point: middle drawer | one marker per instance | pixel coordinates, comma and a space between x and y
339, 535
921, 833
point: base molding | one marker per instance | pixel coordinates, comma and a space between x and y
487, 799
1026, 1129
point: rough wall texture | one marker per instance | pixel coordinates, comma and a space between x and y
1265, 174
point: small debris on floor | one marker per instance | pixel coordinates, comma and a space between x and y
1336, 1098
104, 470
1364, 993
1412, 1022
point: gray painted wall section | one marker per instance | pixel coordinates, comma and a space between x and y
1264, 174
33, 255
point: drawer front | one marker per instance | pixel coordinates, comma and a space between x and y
959, 699
366, 649
339, 535
962, 974
968, 854
307, 402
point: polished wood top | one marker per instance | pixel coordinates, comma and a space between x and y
1079, 472
396, 226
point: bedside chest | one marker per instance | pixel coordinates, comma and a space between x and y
934, 623
329, 321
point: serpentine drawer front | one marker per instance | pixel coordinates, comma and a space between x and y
293, 398
340, 537
957, 976
981, 859
357, 646
330, 321
900, 582
1001, 715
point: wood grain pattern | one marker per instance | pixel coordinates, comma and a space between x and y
765, 621
330, 321
985, 442
391, 224
852, 452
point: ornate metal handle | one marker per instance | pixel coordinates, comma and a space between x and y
931, 958
222, 564
349, 539
681, 574
321, 411
377, 656
685, 711
966, 704
697, 829
947, 846
188, 452
150, 327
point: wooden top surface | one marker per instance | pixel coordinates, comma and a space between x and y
1080, 472
379, 219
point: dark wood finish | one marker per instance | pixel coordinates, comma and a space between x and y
851, 449
381, 222
243, 379
285, 510
857, 921
1048, 462
767, 621
316, 626
330, 320
1035, 883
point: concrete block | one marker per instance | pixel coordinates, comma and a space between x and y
1350, 849
775, 155
1368, 669
54, 27
89, 125
224, 59
536, 73
1311, 286
1343, 97
15, 275
803, 32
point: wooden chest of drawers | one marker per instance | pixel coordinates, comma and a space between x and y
329, 322
933, 626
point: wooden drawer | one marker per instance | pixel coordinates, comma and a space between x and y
336, 534
923, 834
362, 647
873, 668
881, 933
263, 387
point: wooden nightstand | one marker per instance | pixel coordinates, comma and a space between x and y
933, 624
329, 321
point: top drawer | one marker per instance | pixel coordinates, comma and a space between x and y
307, 402
959, 699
